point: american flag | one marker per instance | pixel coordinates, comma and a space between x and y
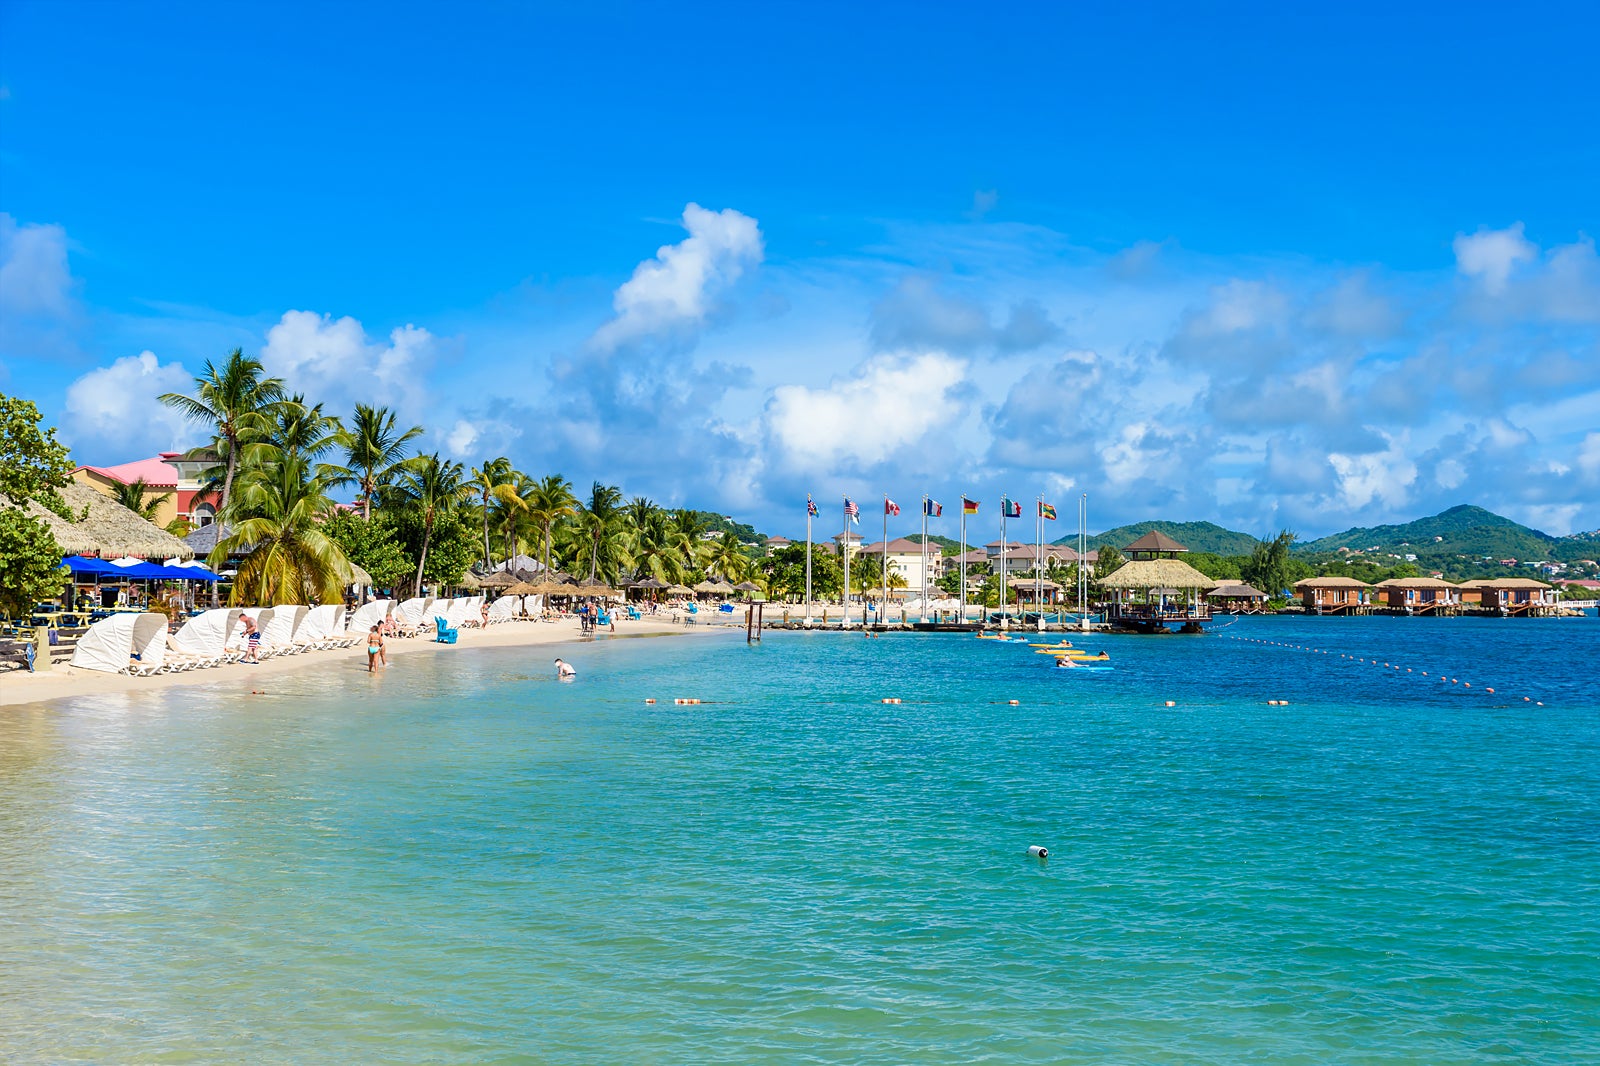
811, 506
851, 511
890, 507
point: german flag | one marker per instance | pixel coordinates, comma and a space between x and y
1047, 511
969, 506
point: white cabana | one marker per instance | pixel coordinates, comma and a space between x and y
453, 611
286, 618
209, 634
111, 644
321, 623
505, 608
369, 615
412, 612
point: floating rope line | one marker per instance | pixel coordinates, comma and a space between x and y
1380, 665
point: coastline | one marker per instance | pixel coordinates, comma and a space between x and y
20, 689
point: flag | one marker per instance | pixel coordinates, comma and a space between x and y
890, 507
1010, 508
851, 511
811, 506
933, 508
969, 506
1047, 511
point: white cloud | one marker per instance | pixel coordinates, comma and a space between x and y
462, 436
1375, 476
1589, 457
1491, 255
334, 362
674, 290
34, 277
117, 405
891, 402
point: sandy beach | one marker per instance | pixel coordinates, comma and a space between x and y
65, 682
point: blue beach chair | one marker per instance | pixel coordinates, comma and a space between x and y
442, 632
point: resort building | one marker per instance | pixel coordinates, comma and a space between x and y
995, 548
1511, 595
1335, 595
904, 558
168, 474
776, 544
1419, 595
1155, 588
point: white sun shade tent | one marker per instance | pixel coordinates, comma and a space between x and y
369, 615
322, 622
110, 644
211, 633
457, 611
412, 611
286, 618
504, 608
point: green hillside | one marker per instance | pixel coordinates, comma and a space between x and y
1196, 536
1463, 530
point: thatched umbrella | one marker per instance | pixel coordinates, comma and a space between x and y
649, 583
552, 588
706, 588
598, 590
469, 580
722, 588
108, 529
358, 576
524, 588
680, 590
747, 587
500, 579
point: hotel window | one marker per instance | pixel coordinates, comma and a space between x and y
204, 514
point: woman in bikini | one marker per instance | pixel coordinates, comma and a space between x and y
374, 648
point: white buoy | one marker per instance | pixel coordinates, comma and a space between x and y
1037, 852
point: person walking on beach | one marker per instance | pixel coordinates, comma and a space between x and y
374, 649
252, 639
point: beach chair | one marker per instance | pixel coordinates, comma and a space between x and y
443, 632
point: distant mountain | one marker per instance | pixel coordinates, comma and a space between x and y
1463, 530
1196, 536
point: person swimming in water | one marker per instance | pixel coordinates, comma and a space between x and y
564, 670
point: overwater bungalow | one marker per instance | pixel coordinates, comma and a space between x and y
1155, 589
1022, 589
1419, 595
1511, 596
1237, 599
1335, 595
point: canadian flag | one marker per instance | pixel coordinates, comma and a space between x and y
890, 507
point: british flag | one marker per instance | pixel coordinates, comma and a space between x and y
890, 507
811, 506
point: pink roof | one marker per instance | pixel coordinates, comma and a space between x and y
153, 470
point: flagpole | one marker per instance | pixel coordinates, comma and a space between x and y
963, 559
1004, 507
844, 550
808, 557
924, 609
1038, 557
1083, 544
883, 604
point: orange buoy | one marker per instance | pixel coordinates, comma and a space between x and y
1014, 703
1172, 703
649, 701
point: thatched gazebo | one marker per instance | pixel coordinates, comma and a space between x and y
747, 587
1154, 588
1237, 598
108, 529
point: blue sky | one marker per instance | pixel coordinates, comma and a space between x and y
1268, 268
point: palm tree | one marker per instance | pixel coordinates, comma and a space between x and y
601, 522
375, 452
688, 539
277, 519
512, 510
494, 481
302, 430
728, 559
235, 400
655, 550
132, 495
431, 487
550, 502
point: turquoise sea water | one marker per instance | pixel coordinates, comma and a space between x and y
464, 860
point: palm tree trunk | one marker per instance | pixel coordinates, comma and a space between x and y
366, 497
547, 551
422, 561
227, 477
486, 534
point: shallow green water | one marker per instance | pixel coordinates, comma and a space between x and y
466, 861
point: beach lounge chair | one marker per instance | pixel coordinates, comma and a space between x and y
128, 643
443, 632
633, 613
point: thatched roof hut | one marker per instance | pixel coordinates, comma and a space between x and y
108, 530
1155, 574
1236, 592
469, 581
498, 579
1153, 545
